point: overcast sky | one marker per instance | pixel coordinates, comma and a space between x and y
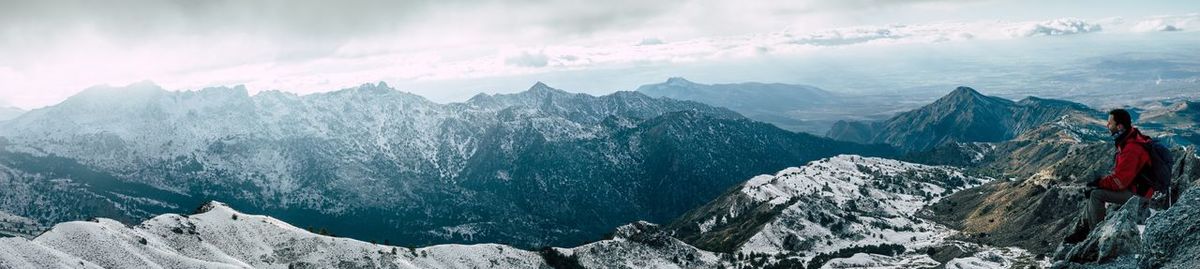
51, 49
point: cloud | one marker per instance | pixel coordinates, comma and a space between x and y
528, 59
650, 41
1064, 26
850, 36
1167, 23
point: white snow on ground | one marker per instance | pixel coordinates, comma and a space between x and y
216, 239
849, 201
849, 184
864, 260
990, 258
14, 225
221, 237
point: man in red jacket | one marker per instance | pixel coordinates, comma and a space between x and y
1119, 186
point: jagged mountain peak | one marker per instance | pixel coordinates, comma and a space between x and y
963, 93
541, 88
967, 96
378, 93
679, 81
965, 90
376, 88
536, 94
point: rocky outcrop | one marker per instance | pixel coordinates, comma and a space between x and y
1171, 236
1117, 236
644, 232
1169, 240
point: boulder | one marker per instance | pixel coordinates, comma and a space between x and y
1172, 237
1117, 236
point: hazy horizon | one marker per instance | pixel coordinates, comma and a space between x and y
450, 51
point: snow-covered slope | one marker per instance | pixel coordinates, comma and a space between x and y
642, 245
875, 199
13, 225
218, 236
836, 206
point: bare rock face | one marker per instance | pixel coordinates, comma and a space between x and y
1116, 237
1172, 237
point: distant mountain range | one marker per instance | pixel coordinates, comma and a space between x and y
1184, 113
750, 98
540, 167
801, 108
7, 113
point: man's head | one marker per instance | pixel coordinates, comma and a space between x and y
1118, 120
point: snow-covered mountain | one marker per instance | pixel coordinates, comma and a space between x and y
843, 212
540, 167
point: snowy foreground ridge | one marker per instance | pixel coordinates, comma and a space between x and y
217, 236
221, 237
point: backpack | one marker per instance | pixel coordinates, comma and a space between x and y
1158, 174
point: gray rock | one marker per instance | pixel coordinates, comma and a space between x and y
1173, 236
1117, 236
643, 232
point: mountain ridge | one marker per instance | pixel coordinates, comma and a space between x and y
472, 172
963, 115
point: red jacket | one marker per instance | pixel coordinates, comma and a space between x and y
1131, 158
